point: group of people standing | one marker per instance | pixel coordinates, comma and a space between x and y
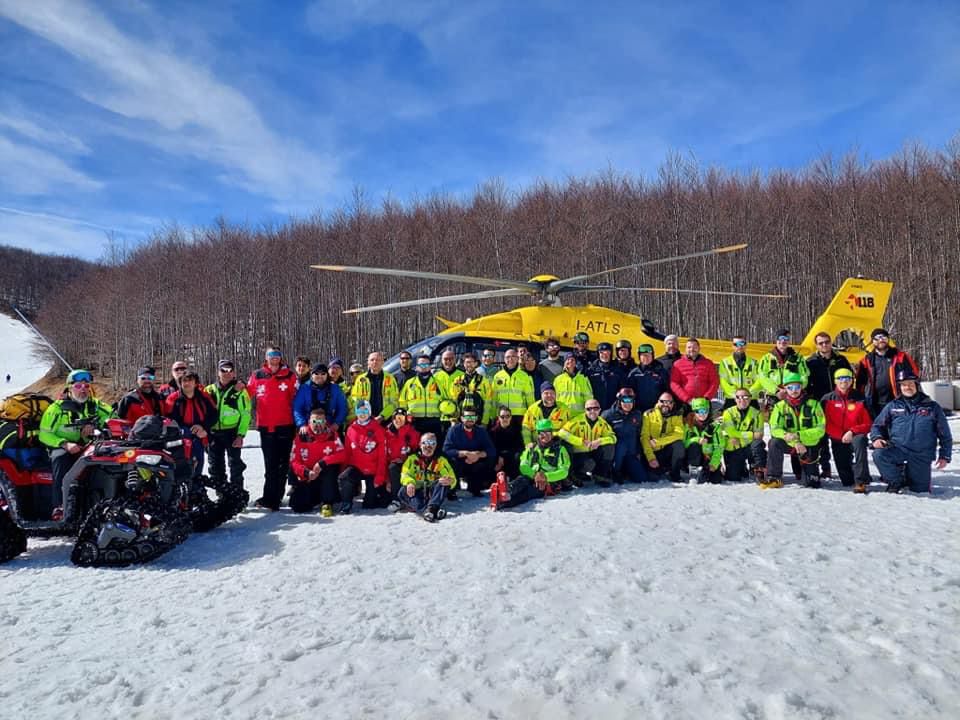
531, 426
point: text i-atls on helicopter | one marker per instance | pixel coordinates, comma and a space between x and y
857, 306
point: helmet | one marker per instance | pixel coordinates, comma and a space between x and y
624, 344
843, 373
544, 425
448, 408
356, 367
581, 337
79, 376
604, 346
700, 403
906, 374
793, 377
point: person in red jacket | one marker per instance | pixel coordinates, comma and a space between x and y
848, 425
315, 465
273, 388
142, 400
402, 439
196, 413
365, 459
693, 375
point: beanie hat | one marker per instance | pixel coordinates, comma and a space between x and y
335, 360
546, 385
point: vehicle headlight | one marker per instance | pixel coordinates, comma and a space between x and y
150, 459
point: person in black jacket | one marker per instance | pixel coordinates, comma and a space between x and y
143, 399
822, 365
507, 437
604, 376
671, 346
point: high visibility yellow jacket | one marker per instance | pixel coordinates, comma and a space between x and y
446, 380
422, 400
558, 415
740, 426
806, 420
733, 376
424, 472
361, 391
770, 373
515, 390
579, 431
64, 419
713, 450
573, 392
665, 430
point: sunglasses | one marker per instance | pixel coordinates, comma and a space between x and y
739, 343
794, 387
742, 397
593, 409
471, 418
151, 378
179, 369
783, 338
881, 337
664, 402
78, 384
505, 417
226, 369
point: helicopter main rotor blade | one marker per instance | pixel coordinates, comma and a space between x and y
560, 285
701, 292
424, 275
505, 292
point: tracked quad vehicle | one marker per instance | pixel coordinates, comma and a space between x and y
126, 499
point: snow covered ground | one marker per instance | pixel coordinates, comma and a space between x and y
17, 357
644, 602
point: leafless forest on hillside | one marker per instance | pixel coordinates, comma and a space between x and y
225, 290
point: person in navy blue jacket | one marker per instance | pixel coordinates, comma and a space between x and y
320, 392
905, 436
626, 421
470, 450
604, 376
648, 380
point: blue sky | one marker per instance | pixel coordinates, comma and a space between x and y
125, 117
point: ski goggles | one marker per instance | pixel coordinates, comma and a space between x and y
783, 338
274, 354
428, 442
739, 343
423, 364
702, 411
318, 421
469, 417
80, 376
793, 387
626, 399
151, 378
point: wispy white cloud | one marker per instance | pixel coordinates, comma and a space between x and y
183, 107
42, 134
30, 171
51, 235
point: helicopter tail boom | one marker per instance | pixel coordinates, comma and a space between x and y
857, 307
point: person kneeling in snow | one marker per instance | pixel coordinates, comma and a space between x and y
701, 438
544, 468
314, 465
365, 459
426, 478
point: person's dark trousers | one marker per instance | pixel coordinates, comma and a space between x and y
695, 458
735, 461
197, 453
275, 445
420, 502
851, 460
478, 476
599, 463
522, 490
808, 467
671, 460
631, 469
823, 447
322, 491
511, 463
221, 443
434, 425
394, 471
349, 483
60, 463
899, 467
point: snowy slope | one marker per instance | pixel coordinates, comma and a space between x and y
644, 602
17, 357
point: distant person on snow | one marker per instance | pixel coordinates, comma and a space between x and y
8, 377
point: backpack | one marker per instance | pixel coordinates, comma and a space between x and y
26, 408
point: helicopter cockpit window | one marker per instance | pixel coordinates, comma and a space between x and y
651, 330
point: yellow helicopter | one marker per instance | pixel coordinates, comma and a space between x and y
856, 308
